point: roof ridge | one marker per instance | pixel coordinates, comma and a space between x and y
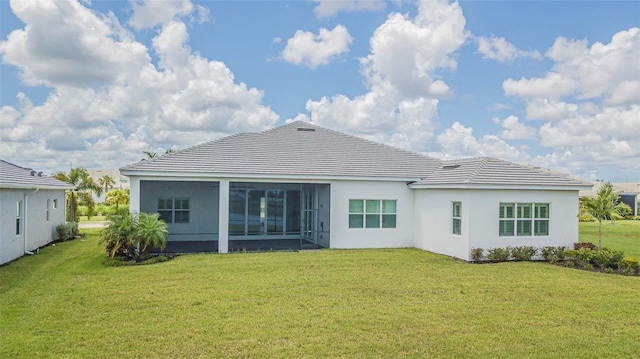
480, 166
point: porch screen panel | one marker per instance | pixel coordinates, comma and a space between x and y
237, 211
256, 207
275, 211
293, 212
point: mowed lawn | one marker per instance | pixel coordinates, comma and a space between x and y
63, 303
622, 235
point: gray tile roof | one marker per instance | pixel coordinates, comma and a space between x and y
13, 176
297, 149
304, 149
493, 171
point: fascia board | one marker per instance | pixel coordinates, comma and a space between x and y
32, 186
502, 186
186, 176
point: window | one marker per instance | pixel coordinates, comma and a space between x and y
174, 210
48, 207
18, 218
372, 213
456, 218
507, 221
524, 219
541, 222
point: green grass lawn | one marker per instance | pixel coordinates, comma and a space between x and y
62, 303
622, 235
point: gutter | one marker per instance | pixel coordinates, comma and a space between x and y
26, 207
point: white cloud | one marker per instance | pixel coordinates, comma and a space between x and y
587, 73
401, 71
135, 106
150, 13
305, 48
499, 49
329, 8
85, 49
458, 141
591, 96
514, 129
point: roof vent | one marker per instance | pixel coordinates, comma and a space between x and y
450, 167
40, 174
33, 173
306, 129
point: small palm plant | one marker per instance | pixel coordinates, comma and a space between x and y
118, 235
132, 235
151, 232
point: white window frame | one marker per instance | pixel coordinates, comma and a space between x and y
456, 218
380, 215
528, 219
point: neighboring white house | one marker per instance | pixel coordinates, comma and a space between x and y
31, 206
321, 188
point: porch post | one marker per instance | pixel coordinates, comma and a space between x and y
223, 217
134, 194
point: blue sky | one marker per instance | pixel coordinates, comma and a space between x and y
547, 83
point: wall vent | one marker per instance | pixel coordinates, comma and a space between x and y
306, 129
450, 167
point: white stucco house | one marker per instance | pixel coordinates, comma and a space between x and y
318, 188
31, 206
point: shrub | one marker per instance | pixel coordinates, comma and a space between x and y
523, 253
67, 231
630, 262
588, 245
498, 255
570, 264
553, 254
586, 218
583, 255
607, 258
83, 210
477, 254
588, 266
132, 235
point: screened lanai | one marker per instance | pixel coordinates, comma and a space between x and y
261, 216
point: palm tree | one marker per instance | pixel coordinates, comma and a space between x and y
106, 181
82, 182
119, 196
150, 154
603, 206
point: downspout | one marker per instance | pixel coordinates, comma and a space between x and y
26, 206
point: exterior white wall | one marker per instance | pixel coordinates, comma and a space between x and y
480, 219
36, 230
484, 221
433, 221
344, 237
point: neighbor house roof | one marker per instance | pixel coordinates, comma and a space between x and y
296, 149
489, 171
13, 176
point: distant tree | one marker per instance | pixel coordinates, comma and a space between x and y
601, 207
107, 182
82, 183
119, 196
150, 154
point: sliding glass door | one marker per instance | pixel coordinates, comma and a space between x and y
264, 212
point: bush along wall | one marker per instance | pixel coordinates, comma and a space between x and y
67, 231
583, 256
